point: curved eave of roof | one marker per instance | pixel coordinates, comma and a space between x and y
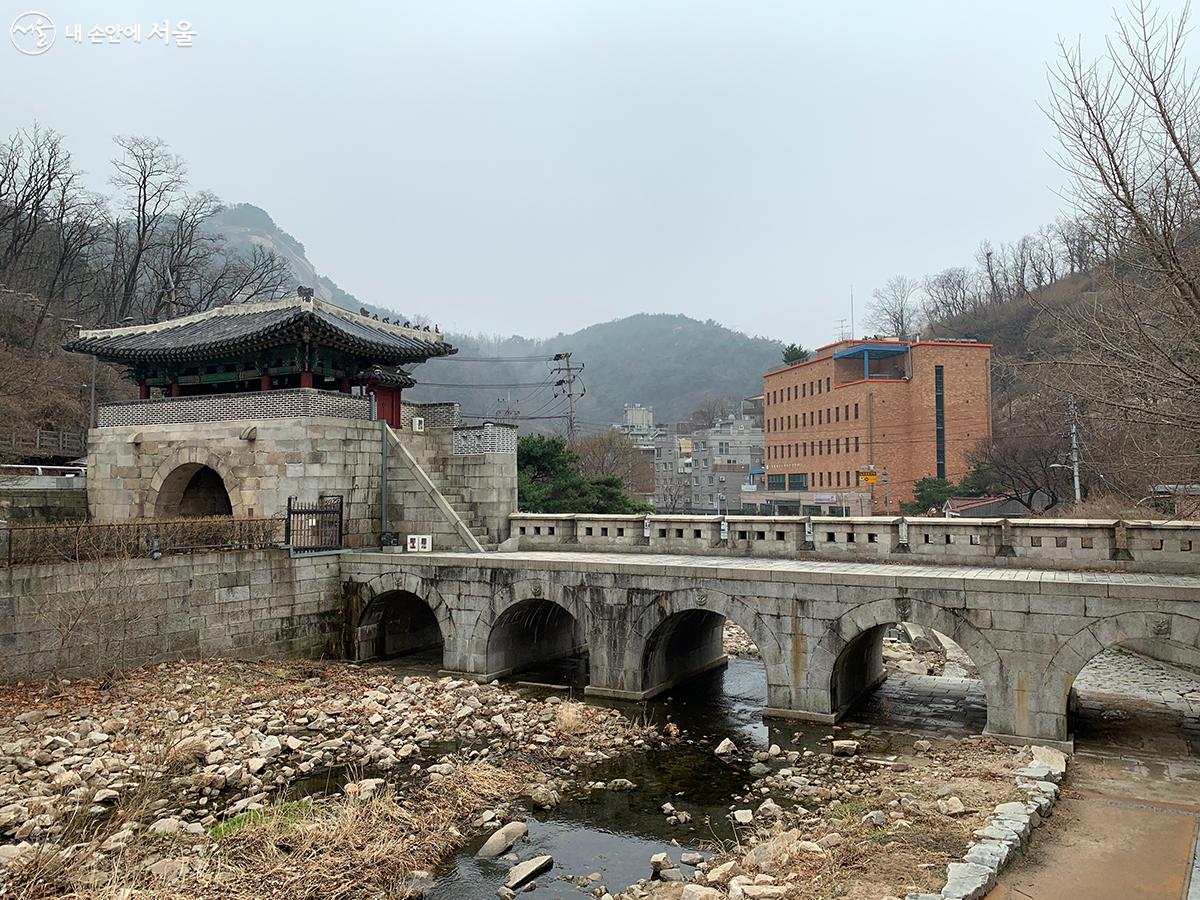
352, 336
387, 376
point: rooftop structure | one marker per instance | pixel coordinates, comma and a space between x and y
295, 342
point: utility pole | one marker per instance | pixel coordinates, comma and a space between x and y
1072, 413
569, 375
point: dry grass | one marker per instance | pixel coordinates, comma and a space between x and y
569, 718
334, 850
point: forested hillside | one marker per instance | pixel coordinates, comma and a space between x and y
672, 363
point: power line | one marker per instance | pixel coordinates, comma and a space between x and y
482, 385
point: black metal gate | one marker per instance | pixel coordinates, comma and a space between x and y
313, 527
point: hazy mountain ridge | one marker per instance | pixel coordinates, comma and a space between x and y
670, 362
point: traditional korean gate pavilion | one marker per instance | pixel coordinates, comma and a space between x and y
250, 405
297, 342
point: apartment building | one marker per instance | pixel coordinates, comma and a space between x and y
703, 470
850, 431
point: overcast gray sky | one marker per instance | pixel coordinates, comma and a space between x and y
534, 167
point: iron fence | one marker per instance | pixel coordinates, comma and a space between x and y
314, 527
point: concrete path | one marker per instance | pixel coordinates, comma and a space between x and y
1126, 827
1102, 847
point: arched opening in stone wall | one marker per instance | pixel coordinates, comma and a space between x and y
710, 675
397, 623
905, 673
1137, 702
531, 634
193, 490
682, 646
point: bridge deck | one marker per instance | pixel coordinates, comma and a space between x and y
792, 570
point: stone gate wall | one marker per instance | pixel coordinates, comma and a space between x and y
83, 618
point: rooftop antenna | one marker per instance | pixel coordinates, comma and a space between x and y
852, 329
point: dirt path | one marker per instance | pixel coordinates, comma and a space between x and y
1106, 848
1126, 826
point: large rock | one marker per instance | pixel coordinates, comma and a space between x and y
845, 748
523, 872
699, 892
502, 840
725, 748
1055, 760
967, 881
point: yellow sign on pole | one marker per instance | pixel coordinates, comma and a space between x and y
867, 476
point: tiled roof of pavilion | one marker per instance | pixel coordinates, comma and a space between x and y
247, 327
388, 376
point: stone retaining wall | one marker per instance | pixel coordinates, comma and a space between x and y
90, 617
25, 505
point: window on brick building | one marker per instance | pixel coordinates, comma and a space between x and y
856, 443
847, 412
837, 445
828, 446
839, 479
821, 479
804, 390
837, 414
856, 410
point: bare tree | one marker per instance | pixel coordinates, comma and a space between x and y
673, 491
1026, 460
895, 309
709, 410
150, 182
1128, 128
614, 453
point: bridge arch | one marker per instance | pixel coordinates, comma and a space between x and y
847, 661
526, 622
402, 613
1096, 637
197, 475
680, 634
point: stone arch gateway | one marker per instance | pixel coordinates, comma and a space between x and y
194, 482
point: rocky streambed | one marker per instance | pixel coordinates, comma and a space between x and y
143, 778
236, 779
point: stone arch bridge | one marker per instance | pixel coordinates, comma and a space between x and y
650, 621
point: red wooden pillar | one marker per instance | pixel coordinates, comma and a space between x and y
264, 383
143, 391
176, 389
344, 387
306, 379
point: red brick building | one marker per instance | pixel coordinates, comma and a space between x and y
882, 408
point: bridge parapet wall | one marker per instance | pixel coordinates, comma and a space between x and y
1072, 544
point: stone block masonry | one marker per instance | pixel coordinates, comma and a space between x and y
90, 617
261, 463
37, 505
650, 620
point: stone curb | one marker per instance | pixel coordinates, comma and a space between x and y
1008, 830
